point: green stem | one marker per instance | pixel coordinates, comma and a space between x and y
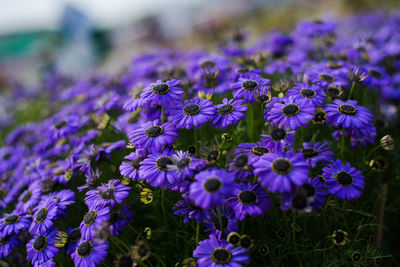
159, 259
294, 239
251, 132
195, 140
162, 114
343, 144
372, 151
353, 86
220, 220
197, 234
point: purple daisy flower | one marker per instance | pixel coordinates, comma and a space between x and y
185, 165
240, 167
246, 86
43, 217
221, 228
281, 171
188, 208
254, 150
214, 252
107, 194
343, 181
194, 112
63, 128
317, 152
13, 224
162, 93
130, 168
41, 248
7, 244
210, 187
29, 198
297, 202
117, 221
89, 253
153, 135
133, 102
278, 138
347, 114
65, 198
229, 112
293, 112
249, 199
313, 95
94, 219
73, 237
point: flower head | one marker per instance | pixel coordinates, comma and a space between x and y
89, 253
229, 112
162, 93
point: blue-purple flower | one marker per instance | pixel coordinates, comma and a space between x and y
278, 138
188, 208
229, 112
131, 167
13, 224
89, 253
347, 114
41, 248
221, 223
7, 244
162, 93
107, 194
317, 152
245, 87
44, 216
313, 94
185, 165
94, 219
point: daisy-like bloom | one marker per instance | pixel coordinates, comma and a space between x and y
153, 135
229, 112
245, 87
107, 194
280, 172
89, 253
317, 152
214, 252
117, 221
29, 198
313, 95
298, 202
44, 215
188, 208
13, 224
185, 165
162, 93
156, 171
278, 137
65, 198
254, 150
319, 116
340, 238
210, 187
221, 226
41, 248
63, 128
140, 251
293, 113
73, 237
131, 167
94, 219
249, 199
133, 103
347, 114
210, 154
7, 244
194, 112
263, 95
343, 181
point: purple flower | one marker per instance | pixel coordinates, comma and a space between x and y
347, 114
7, 244
134, 102
214, 252
41, 248
184, 165
311, 93
317, 152
229, 112
254, 150
194, 112
278, 138
249, 199
64, 127
118, 221
343, 181
29, 198
297, 202
94, 219
130, 168
43, 218
13, 224
246, 86
73, 237
210, 187
162, 93
281, 171
107, 194
153, 135
65, 198
240, 166
221, 227
188, 208
89, 253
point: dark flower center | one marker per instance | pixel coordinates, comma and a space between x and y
344, 179
113, 218
333, 91
309, 152
243, 70
334, 65
245, 242
192, 150
60, 124
307, 93
282, 166
107, 194
143, 250
221, 256
299, 202
262, 98
161, 89
90, 217
224, 221
241, 161
356, 256
259, 150
40, 243
11, 219
7, 156
233, 238
212, 185
125, 261
4, 240
75, 235
162, 163
136, 162
247, 197
375, 74
347, 109
309, 189
326, 78
249, 85
154, 131
278, 134
226, 109
213, 155
339, 237
183, 163
41, 215
84, 249
320, 117
191, 109
290, 110
27, 196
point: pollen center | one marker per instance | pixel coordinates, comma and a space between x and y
241, 161
40, 243
90, 217
262, 98
213, 155
181, 164
307, 93
347, 109
136, 163
154, 131
278, 134
27, 196
326, 78
107, 194
192, 109
247, 197
290, 110
162, 163
60, 124
75, 235
226, 109
259, 150
309, 152
221, 256
11, 219
84, 249
249, 85
282, 166
161, 89
344, 179
212, 185
41, 215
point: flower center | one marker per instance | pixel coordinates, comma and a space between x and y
84, 249
162, 163
136, 163
233, 238
161, 89
241, 161
221, 256
27, 196
320, 117
60, 124
243, 69
247, 197
290, 110
278, 134
226, 109
309, 152
339, 237
113, 218
154, 131
213, 155
249, 85
11, 219
224, 221
375, 74
262, 98
299, 202
4, 240
347, 109
259, 150
75, 235
245, 242
143, 250
183, 163
326, 78
307, 93
40, 243
191, 109
282, 166
125, 261
344, 179
41, 215
107, 194
90, 217
309, 189
212, 185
